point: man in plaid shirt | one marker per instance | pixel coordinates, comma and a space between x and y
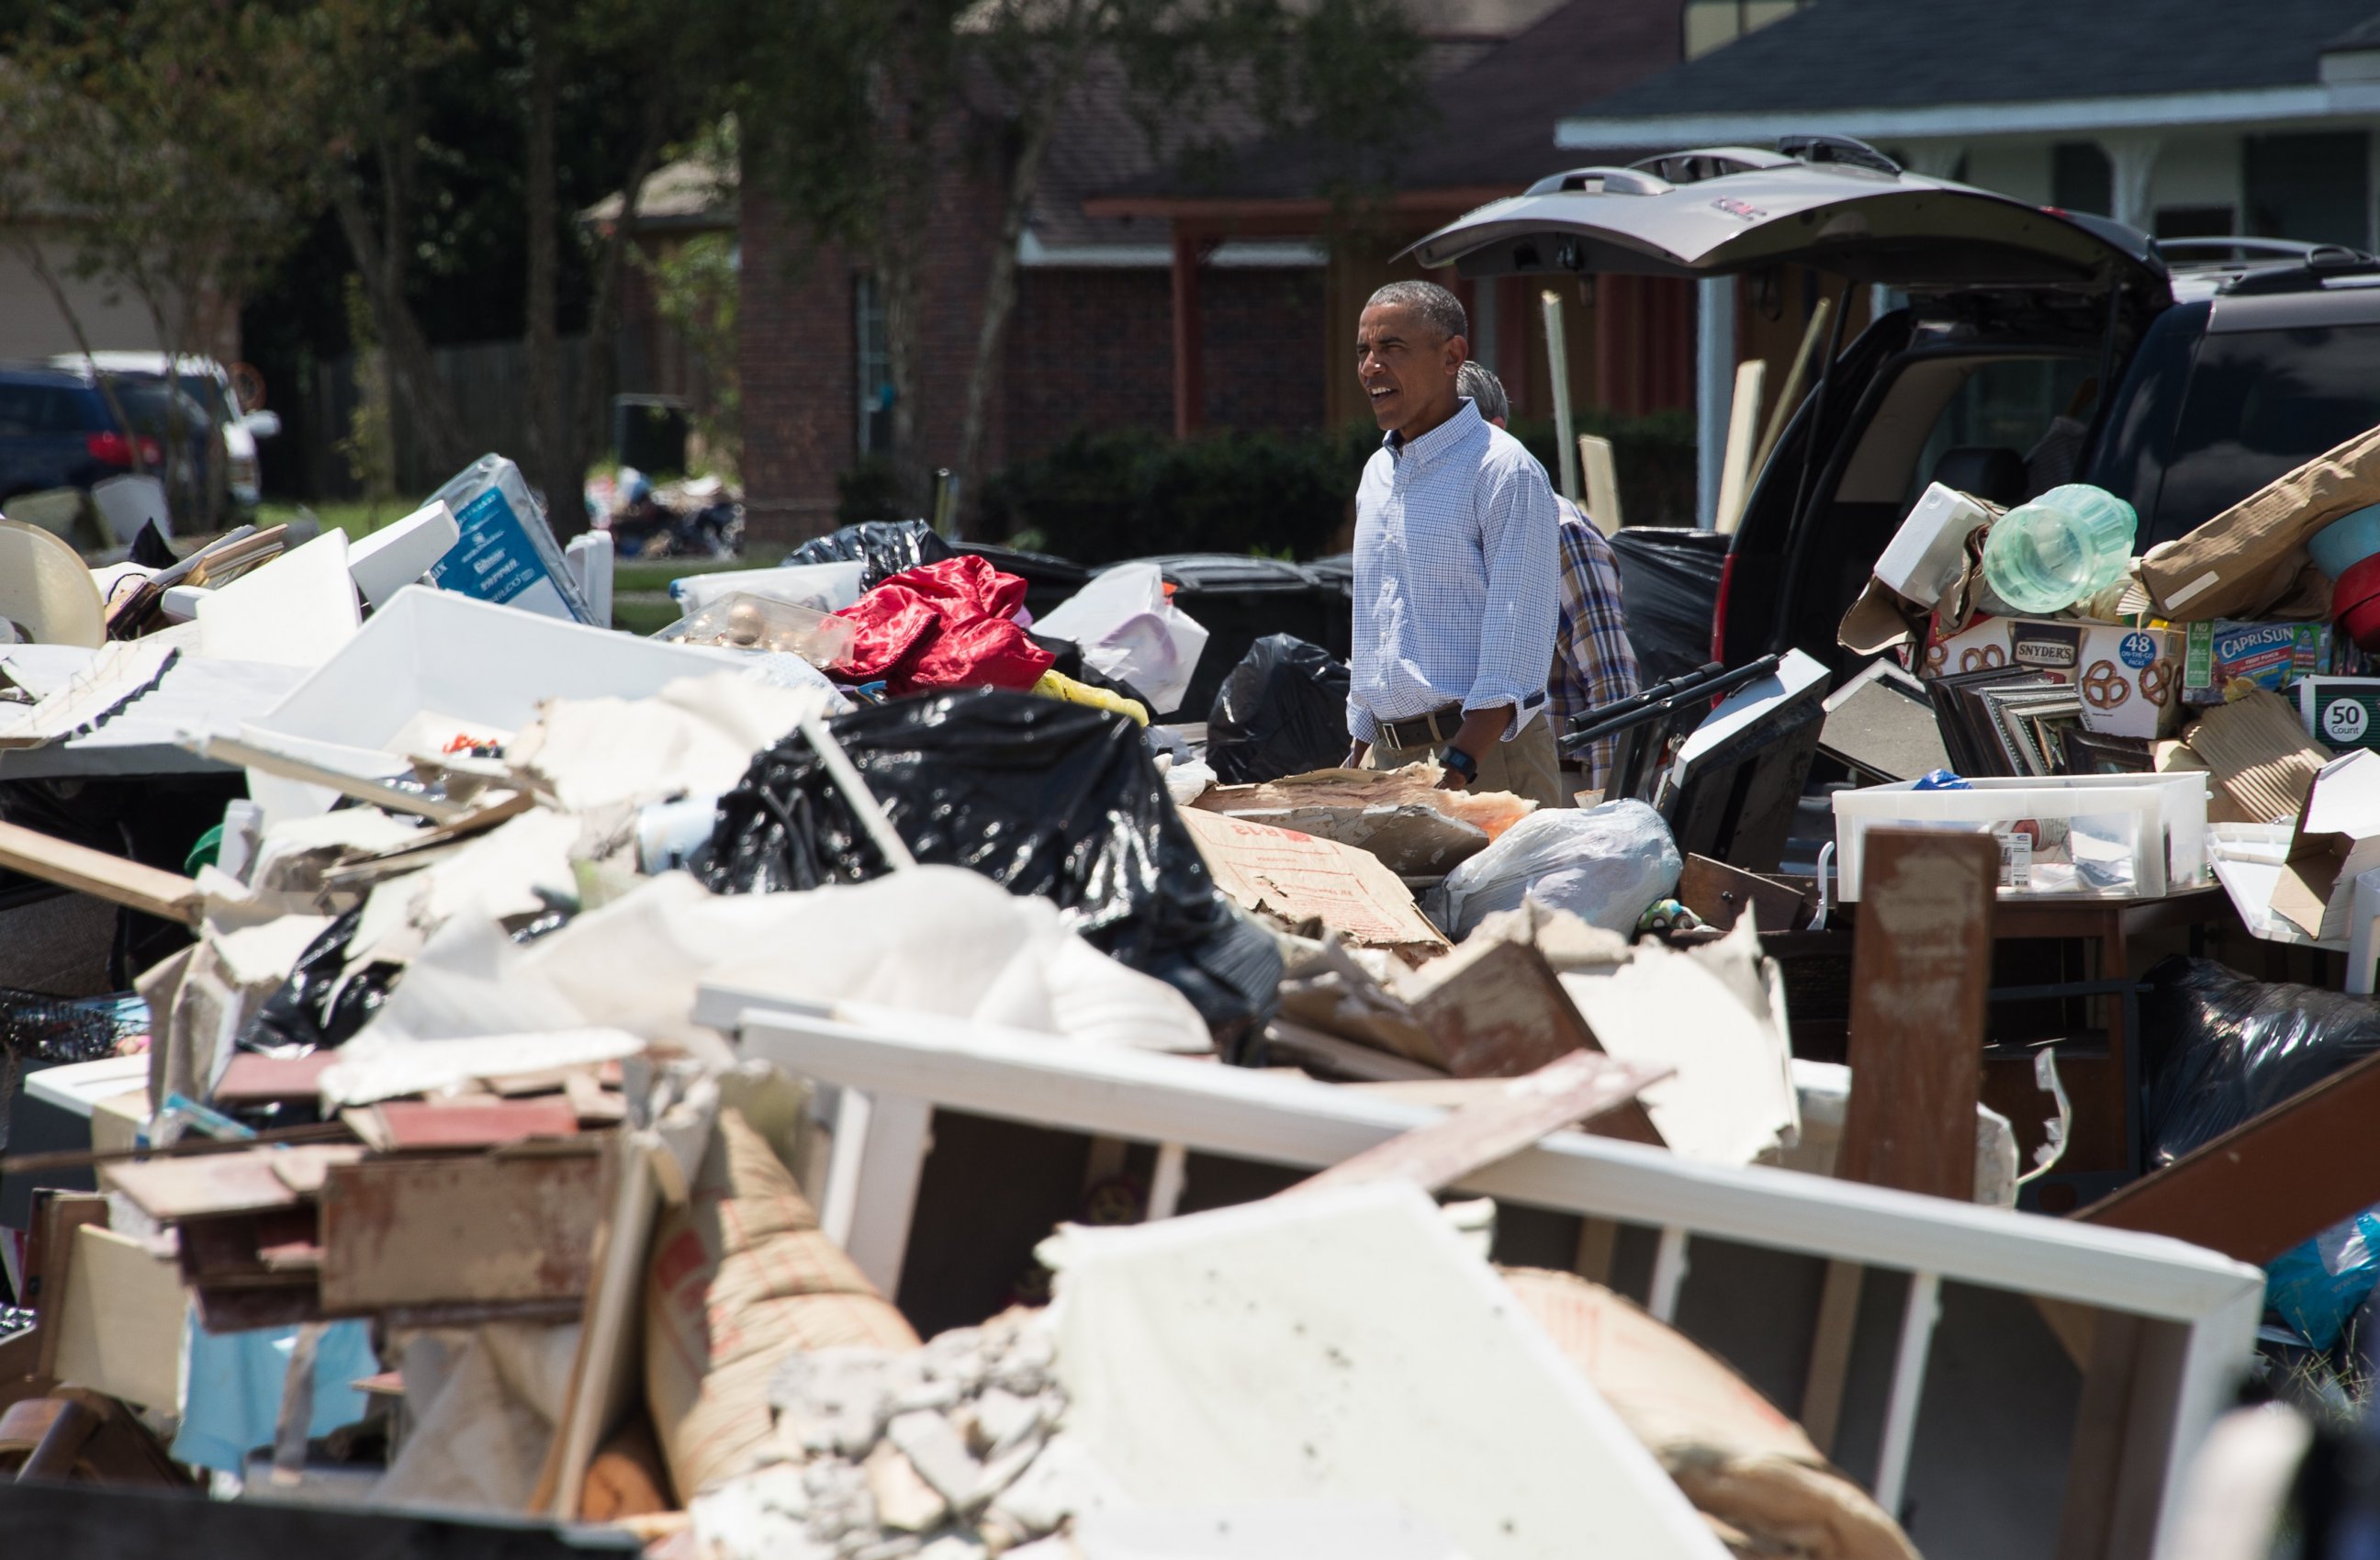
1593, 664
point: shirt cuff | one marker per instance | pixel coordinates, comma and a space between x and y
1526, 706
1361, 727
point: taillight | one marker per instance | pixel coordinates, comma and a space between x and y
1718, 609
112, 448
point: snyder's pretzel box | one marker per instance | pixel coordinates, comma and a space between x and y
2128, 679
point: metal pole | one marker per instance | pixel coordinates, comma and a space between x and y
1714, 391
1558, 370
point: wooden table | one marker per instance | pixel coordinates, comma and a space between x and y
2105, 1149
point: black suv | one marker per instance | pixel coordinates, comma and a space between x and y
2234, 360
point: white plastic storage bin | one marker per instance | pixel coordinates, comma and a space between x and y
2084, 836
433, 663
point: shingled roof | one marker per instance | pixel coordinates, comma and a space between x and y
1840, 55
1494, 119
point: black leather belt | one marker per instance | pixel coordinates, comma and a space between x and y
1433, 730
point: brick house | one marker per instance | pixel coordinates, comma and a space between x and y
1091, 344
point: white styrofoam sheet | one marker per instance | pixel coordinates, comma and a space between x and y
1245, 1355
433, 664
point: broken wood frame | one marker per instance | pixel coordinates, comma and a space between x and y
894, 1068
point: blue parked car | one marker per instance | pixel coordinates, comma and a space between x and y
57, 431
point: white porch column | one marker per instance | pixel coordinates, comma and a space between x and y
1714, 389
2131, 161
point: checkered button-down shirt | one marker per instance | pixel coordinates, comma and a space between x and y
1455, 564
1593, 664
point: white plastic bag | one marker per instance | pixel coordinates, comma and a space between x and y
822, 587
1605, 865
1128, 629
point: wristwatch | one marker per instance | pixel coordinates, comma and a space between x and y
1462, 762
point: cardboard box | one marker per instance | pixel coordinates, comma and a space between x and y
2127, 677
1928, 553
1300, 877
2342, 711
2271, 655
2337, 839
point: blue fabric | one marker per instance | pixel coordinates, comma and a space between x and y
234, 1401
1458, 573
2317, 1292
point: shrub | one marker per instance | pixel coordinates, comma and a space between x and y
1100, 497
868, 490
1653, 457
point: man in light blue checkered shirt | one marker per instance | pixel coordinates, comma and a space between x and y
1457, 567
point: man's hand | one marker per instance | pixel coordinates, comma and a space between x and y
1478, 735
1356, 755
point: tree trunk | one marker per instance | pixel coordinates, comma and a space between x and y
27, 244
587, 431
415, 389
548, 462
1040, 115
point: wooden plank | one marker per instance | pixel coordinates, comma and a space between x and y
251, 1079
1830, 1354
444, 1230
250, 754
120, 1329
50, 1260
167, 1189
1920, 967
166, 895
2270, 1182
1720, 893
476, 1122
604, 1374
1504, 1013
1569, 1088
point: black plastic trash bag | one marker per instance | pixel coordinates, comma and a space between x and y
1282, 712
1056, 800
888, 546
320, 1005
1668, 589
2223, 1047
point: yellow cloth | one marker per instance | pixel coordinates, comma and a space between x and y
1056, 686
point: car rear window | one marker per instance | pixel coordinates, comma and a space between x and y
145, 402
2259, 404
30, 410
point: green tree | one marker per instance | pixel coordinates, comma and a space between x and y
890, 99
461, 135
153, 135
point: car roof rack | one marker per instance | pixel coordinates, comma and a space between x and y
2264, 265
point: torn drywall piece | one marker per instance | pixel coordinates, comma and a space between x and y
1449, 1402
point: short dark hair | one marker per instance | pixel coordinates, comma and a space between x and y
1430, 301
1487, 392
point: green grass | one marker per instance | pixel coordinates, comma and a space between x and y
357, 519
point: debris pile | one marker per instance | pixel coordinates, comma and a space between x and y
749, 1087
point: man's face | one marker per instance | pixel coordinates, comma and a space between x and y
1407, 367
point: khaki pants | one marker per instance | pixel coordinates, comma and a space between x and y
1528, 765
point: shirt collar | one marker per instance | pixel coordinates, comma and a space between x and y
1438, 439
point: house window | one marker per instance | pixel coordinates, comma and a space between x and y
2195, 222
874, 365
1710, 23
2313, 188
2080, 178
